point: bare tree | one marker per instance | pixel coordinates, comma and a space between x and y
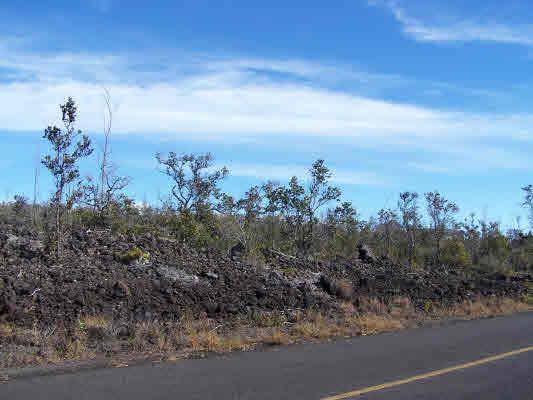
36, 174
63, 165
441, 212
410, 220
108, 191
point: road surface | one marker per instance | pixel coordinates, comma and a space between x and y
485, 359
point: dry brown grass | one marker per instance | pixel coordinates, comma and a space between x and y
347, 307
370, 324
23, 346
275, 337
317, 326
484, 307
373, 305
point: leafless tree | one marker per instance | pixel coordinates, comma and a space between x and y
36, 174
108, 190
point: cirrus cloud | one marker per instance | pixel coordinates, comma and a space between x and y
457, 29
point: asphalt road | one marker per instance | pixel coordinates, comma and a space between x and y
319, 371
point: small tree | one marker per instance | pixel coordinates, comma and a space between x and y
410, 220
494, 244
341, 225
301, 205
528, 203
245, 215
251, 205
320, 192
387, 220
454, 253
273, 198
346, 217
63, 165
441, 212
193, 185
471, 236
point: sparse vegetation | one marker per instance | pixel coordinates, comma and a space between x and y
206, 272
63, 165
293, 219
98, 335
134, 254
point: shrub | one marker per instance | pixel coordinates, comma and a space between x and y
454, 253
135, 254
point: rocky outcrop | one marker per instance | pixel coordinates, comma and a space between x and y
174, 278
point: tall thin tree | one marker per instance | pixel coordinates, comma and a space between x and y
67, 151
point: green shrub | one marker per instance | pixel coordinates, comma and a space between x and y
289, 270
135, 254
454, 253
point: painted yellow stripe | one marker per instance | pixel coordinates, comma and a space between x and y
387, 385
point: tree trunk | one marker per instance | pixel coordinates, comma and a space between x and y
58, 231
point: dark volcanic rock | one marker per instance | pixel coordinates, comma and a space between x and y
90, 280
365, 254
121, 289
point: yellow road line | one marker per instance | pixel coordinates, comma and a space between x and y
387, 385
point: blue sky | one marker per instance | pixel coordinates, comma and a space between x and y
395, 95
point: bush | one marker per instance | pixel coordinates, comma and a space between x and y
135, 254
454, 253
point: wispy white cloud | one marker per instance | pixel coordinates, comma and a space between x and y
457, 29
234, 98
218, 105
47, 66
120, 68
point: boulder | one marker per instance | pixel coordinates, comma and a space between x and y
366, 254
121, 289
237, 251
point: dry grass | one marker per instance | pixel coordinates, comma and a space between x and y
23, 346
373, 306
95, 321
95, 334
480, 308
317, 326
275, 337
370, 324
